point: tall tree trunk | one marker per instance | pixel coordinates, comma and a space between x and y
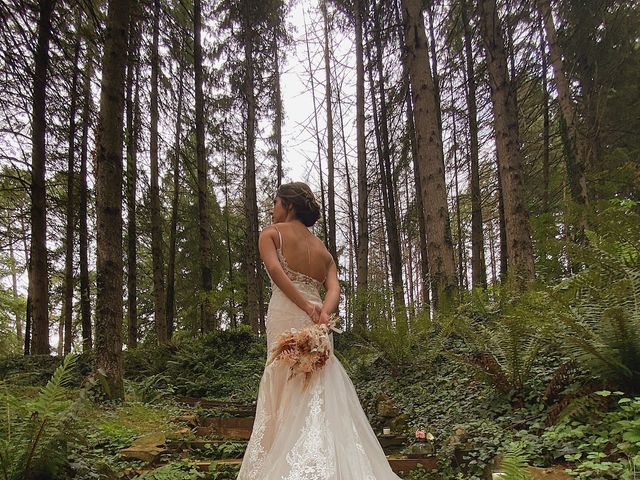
133, 132
85, 294
251, 201
502, 225
478, 265
577, 151
461, 241
352, 220
207, 320
171, 281
545, 122
430, 156
109, 140
419, 205
519, 246
227, 223
14, 289
389, 194
277, 122
362, 247
38, 275
67, 304
28, 313
434, 64
331, 220
323, 206
156, 221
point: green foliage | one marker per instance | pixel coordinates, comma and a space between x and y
601, 317
33, 439
151, 389
184, 470
514, 462
506, 335
229, 449
224, 364
604, 449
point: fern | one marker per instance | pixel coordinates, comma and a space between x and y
514, 463
35, 430
601, 317
507, 340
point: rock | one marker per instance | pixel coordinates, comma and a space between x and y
147, 448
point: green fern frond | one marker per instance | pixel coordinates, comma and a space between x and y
514, 463
36, 430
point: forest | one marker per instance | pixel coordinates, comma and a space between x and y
477, 163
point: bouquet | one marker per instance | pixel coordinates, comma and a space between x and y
306, 350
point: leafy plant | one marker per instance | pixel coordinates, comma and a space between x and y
514, 463
183, 470
150, 389
607, 449
506, 337
601, 317
34, 436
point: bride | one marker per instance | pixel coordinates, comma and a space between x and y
319, 432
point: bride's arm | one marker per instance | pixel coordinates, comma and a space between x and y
332, 296
269, 255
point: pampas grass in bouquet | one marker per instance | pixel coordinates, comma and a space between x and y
306, 350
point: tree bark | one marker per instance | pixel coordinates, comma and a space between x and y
67, 305
133, 132
430, 157
323, 206
85, 293
545, 122
362, 247
14, 290
389, 194
207, 320
331, 220
419, 204
227, 223
251, 202
171, 281
576, 158
38, 274
461, 241
109, 199
277, 123
156, 221
519, 247
478, 264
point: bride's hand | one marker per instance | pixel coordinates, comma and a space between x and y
314, 311
323, 318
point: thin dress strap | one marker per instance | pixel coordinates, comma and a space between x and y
280, 237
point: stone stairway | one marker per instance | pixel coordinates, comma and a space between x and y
211, 426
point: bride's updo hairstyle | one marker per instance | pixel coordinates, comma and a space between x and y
300, 196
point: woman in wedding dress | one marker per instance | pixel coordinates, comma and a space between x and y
319, 432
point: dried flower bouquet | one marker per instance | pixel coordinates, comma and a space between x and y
306, 350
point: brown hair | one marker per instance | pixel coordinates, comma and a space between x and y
300, 196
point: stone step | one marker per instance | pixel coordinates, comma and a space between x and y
404, 464
398, 464
200, 444
239, 428
147, 448
230, 406
536, 473
231, 428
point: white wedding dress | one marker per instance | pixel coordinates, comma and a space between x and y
317, 433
